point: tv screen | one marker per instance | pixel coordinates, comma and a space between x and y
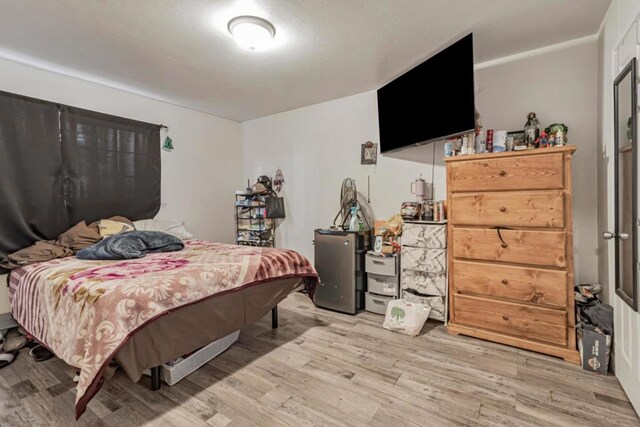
432, 101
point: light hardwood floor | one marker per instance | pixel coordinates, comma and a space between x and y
325, 368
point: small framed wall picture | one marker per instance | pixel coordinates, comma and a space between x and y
377, 245
369, 153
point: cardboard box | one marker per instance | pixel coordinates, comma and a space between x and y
594, 350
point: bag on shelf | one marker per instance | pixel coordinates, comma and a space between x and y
406, 317
275, 206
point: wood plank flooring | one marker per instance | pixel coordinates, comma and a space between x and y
325, 368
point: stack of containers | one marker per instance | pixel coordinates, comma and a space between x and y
383, 277
423, 277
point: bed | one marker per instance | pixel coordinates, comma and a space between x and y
148, 311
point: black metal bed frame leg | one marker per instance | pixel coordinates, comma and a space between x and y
274, 317
155, 378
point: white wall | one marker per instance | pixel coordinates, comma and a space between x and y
198, 178
559, 86
318, 146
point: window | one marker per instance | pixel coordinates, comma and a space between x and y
60, 165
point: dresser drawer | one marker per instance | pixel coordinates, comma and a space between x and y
533, 172
520, 246
423, 282
508, 208
523, 321
431, 260
437, 304
520, 284
429, 236
385, 266
382, 285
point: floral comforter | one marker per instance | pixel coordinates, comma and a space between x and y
85, 311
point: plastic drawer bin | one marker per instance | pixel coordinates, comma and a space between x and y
172, 374
376, 303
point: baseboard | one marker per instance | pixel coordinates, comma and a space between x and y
567, 354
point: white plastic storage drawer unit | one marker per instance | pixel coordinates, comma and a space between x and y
423, 278
383, 281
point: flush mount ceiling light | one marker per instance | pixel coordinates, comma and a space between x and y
251, 32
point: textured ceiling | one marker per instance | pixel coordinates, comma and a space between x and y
179, 50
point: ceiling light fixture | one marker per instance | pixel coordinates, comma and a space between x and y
251, 32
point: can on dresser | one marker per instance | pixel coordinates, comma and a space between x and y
489, 140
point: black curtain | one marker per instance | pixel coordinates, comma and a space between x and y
112, 166
32, 206
60, 165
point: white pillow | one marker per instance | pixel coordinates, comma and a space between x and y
174, 228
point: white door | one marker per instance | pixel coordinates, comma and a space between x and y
627, 319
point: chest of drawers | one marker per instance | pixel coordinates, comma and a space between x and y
510, 249
423, 276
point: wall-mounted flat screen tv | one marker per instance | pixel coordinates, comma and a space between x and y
432, 101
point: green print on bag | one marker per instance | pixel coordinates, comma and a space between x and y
398, 313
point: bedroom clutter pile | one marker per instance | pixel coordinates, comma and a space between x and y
14, 340
113, 238
595, 328
78, 237
495, 141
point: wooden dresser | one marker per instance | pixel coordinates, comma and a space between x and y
511, 249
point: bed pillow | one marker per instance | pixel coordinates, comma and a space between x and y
174, 228
109, 227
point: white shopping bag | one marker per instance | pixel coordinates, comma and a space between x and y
406, 317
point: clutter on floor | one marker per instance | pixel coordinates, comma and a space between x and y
11, 341
6, 358
40, 353
594, 324
15, 339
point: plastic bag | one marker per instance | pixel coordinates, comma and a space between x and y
406, 317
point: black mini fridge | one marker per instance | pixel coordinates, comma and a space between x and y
339, 261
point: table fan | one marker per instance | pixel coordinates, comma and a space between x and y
349, 200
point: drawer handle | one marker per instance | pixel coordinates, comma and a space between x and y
505, 317
503, 173
505, 282
378, 262
504, 244
377, 301
503, 209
